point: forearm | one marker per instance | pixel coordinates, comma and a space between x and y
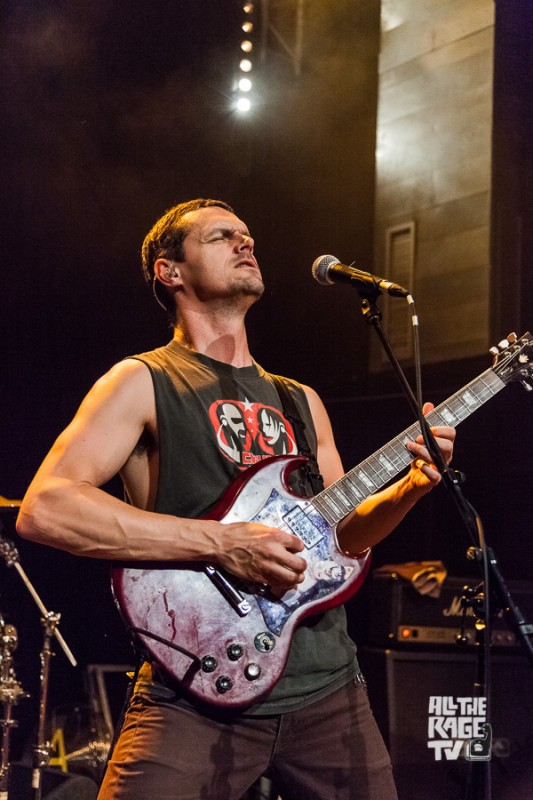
377, 516
87, 521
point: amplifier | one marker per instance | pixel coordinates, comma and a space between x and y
400, 683
402, 617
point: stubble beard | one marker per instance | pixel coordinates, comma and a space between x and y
248, 285
242, 293
244, 290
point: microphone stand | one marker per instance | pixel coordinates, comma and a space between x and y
50, 622
479, 782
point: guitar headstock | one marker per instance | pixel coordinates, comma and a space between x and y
512, 359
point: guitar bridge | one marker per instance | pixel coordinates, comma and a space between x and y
225, 586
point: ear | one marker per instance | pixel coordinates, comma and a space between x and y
167, 272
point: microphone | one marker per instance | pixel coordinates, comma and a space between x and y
328, 269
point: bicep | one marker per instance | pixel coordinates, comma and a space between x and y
329, 460
105, 430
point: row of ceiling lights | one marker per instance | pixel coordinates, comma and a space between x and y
244, 82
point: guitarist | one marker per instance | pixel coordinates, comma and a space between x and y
179, 424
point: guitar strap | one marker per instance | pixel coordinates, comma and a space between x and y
311, 470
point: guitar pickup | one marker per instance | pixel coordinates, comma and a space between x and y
225, 586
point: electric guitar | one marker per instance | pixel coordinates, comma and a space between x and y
227, 641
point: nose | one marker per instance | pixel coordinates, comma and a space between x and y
246, 242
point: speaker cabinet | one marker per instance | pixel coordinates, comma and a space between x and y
56, 785
400, 685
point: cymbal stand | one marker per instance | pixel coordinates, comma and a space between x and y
10, 693
50, 621
41, 750
12, 559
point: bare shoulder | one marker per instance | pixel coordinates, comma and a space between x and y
318, 410
127, 375
125, 389
107, 426
328, 457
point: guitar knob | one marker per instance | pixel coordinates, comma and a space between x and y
252, 671
223, 684
209, 663
235, 652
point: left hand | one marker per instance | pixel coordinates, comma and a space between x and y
423, 472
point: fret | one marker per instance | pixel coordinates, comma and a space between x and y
319, 503
333, 508
459, 408
387, 463
363, 477
378, 475
435, 418
395, 457
337, 489
447, 414
492, 379
470, 399
357, 483
353, 494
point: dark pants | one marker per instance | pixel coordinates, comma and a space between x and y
330, 750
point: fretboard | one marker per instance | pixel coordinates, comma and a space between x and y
335, 502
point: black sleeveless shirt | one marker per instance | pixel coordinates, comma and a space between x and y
215, 420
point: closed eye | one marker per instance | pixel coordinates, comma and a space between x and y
226, 234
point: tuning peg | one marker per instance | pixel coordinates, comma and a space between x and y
496, 349
527, 386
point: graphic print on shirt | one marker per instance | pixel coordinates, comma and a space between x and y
248, 432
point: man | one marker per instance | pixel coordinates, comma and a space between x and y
153, 418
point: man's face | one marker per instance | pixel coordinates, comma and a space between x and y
219, 258
232, 418
271, 427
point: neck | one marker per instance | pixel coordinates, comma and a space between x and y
224, 340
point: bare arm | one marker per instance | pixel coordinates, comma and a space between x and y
65, 508
378, 515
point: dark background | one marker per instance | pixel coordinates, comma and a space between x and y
112, 113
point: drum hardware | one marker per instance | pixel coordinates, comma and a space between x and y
50, 621
82, 733
10, 693
78, 745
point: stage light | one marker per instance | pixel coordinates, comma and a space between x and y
246, 65
248, 8
243, 104
247, 46
247, 27
245, 84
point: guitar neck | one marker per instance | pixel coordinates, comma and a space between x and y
335, 502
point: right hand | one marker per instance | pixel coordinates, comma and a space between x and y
261, 554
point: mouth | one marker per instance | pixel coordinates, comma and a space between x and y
247, 262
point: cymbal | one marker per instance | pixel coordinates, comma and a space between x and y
9, 505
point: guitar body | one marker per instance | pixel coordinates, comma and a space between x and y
235, 652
